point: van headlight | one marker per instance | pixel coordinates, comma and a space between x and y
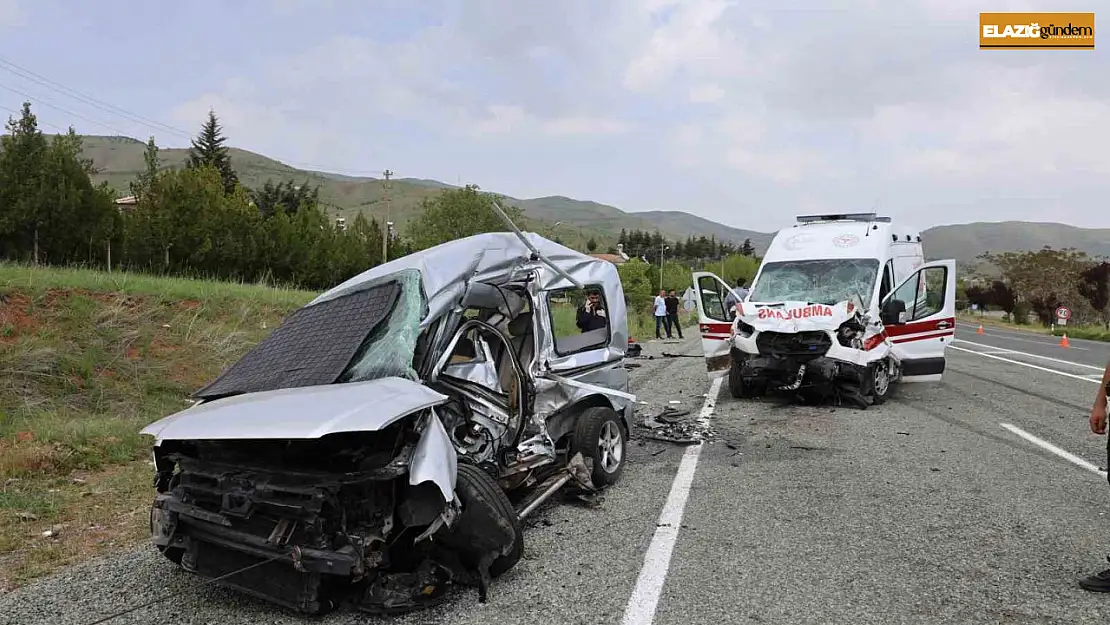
744, 329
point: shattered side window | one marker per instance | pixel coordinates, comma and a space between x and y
579, 319
828, 281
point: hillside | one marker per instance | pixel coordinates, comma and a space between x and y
121, 159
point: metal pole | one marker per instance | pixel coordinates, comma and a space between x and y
385, 222
661, 248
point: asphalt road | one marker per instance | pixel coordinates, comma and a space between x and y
941, 506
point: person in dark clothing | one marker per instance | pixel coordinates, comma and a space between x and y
672, 312
1099, 582
592, 315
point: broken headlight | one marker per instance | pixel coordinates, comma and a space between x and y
850, 334
744, 329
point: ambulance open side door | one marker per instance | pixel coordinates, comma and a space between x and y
714, 322
919, 318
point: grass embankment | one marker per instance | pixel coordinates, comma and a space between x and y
1089, 332
86, 360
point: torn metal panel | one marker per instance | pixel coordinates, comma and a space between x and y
435, 459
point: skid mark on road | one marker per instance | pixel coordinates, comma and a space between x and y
649, 585
1024, 391
1043, 444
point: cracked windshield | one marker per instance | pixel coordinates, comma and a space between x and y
428, 313
817, 282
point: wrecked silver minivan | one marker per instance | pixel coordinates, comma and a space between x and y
385, 442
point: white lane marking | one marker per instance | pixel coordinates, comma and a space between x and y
1043, 444
1038, 356
1025, 364
657, 560
1018, 336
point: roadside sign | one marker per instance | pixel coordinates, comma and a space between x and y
1063, 313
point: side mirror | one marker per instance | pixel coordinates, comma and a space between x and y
893, 312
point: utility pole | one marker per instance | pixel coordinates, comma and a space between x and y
385, 222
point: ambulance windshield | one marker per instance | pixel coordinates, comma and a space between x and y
818, 281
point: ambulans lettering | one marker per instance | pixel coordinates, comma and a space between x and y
804, 312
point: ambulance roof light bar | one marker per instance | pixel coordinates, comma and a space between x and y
863, 217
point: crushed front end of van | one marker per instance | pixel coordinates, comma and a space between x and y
821, 352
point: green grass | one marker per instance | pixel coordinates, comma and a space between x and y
87, 359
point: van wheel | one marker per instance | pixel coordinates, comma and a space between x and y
879, 382
485, 509
600, 436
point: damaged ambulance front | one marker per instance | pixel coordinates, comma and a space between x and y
316, 470
818, 350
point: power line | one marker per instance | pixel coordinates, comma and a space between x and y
64, 110
105, 106
133, 117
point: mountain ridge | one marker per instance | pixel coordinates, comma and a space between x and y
120, 160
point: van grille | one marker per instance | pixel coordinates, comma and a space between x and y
802, 344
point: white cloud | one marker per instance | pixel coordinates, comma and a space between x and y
822, 105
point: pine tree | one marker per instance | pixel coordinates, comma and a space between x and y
209, 149
747, 249
591, 245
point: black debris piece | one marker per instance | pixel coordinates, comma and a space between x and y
670, 426
312, 347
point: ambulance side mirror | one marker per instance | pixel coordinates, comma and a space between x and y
893, 312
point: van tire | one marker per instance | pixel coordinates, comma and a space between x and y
593, 424
475, 487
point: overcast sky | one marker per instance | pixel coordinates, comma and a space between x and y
740, 112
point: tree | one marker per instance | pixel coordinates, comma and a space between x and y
1045, 279
286, 197
747, 249
1096, 287
23, 153
459, 213
209, 149
591, 245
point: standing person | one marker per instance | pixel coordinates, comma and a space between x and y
672, 313
661, 321
735, 296
1099, 582
591, 315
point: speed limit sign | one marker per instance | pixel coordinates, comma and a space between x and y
1063, 313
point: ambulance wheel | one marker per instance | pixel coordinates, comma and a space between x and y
736, 385
879, 382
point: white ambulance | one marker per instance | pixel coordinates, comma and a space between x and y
843, 306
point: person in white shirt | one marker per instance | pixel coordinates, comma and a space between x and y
661, 321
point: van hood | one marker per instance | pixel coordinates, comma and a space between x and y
299, 413
796, 316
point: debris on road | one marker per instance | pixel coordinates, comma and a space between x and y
669, 426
